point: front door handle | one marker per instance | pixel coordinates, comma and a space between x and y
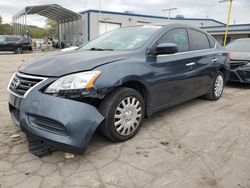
214, 59
190, 64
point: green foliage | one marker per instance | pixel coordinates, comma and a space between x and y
52, 28
34, 31
6, 29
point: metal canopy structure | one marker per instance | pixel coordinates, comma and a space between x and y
67, 20
52, 11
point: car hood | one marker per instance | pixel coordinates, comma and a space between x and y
240, 56
63, 63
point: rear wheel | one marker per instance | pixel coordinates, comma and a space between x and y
19, 50
124, 111
217, 87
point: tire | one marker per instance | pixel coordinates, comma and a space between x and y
128, 121
217, 87
19, 50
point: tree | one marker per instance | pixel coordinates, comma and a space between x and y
6, 29
35, 32
52, 29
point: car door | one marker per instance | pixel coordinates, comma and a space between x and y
12, 43
174, 74
204, 55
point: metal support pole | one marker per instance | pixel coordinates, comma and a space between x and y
59, 34
169, 12
228, 20
26, 27
22, 25
73, 33
18, 25
13, 26
100, 11
68, 31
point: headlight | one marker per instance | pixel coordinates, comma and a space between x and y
74, 81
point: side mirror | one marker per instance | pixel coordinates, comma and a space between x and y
166, 48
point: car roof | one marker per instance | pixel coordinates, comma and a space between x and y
11, 35
170, 25
243, 39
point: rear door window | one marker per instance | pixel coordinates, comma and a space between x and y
178, 37
12, 39
198, 40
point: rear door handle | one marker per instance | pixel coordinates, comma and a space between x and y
190, 64
214, 59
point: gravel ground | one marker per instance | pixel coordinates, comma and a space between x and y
197, 144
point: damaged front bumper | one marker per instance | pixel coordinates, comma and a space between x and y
240, 72
54, 122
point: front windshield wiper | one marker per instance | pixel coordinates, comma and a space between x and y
100, 49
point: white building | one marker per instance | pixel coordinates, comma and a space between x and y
97, 23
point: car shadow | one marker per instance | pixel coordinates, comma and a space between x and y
98, 141
238, 85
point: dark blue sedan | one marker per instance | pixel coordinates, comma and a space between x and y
112, 83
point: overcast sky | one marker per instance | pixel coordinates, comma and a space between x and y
188, 8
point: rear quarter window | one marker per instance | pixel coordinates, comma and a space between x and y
211, 41
198, 40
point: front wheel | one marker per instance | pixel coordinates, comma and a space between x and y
124, 111
217, 87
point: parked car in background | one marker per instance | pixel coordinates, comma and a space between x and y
240, 60
15, 43
112, 83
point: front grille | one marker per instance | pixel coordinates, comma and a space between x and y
47, 124
21, 83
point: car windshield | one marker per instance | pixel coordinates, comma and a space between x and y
241, 45
122, 39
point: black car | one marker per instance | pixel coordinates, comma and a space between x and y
112, 83
15, 43
239, 60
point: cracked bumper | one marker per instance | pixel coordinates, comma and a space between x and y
64, 124
240, 74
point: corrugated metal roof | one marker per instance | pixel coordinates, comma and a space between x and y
52, 11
